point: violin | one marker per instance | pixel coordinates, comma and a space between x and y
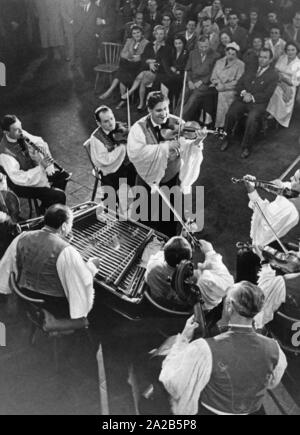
286, 263
270, 187
190, 130
120, 134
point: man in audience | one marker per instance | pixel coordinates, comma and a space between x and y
190, 34
271, 21
254, 91
207, 377
253, 25
9, 215
238, 34
179, 22
173, 5
67, 15
209, 31
275, 43
167, 24
199, 67
152, 15
292, 31
138, 21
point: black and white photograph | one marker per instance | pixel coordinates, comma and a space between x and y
149, 210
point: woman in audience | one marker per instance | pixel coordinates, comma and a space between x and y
251, 56
275, 43
130, 64
172, 77
215, 12
225, 39
224, 79
153, 57
281, 105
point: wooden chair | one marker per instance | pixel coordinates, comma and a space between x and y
112, 54
97, 174
42, 320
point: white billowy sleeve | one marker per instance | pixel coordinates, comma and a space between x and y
35, 177
279, 370
281, 213
185, 373
214, 279
191, 160
107, 162
274, 289
150, 160
77, 278
8, 264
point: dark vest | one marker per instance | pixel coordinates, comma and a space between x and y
19, 152
37, 254
243, 363
173, 168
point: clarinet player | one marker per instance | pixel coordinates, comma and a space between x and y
28, 164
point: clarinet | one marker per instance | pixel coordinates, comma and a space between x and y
44, 153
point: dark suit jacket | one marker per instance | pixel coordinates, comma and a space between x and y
191, 43
240, 36
262, 88
198, 70
160, 56
153, 23
85, 27
258, 30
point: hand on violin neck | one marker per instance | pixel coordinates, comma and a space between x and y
174, 150
249, 181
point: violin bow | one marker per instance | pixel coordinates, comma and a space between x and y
182, 103
286, 173
128, 110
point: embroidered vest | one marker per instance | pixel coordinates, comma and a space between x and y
19, 151
243, 363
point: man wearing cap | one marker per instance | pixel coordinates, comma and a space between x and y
230, 373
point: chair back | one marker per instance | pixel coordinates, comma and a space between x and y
112, 53
87, 147
14, 286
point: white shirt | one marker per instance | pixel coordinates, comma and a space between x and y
75, 275
2, 74
187, 370
281, 213
107, 162
151, 160
35, 177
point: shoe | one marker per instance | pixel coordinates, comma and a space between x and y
245, 154
225, 145
120, 105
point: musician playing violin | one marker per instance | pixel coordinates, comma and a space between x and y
31, 174
160, 158
108, 149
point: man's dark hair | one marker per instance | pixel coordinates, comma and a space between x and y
248, 299
176, 250
275, 28
135, 27
205, 19
267, 50
155, 98
203, 39
56, 215
101, 109
233, 13
7, 121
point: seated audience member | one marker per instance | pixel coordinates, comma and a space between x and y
27, 170
209, 32
282, 103
212, 276
251, 56
215, 13
199, 68
167, 24
225, 39
190, 34
253, 25
152, 61
254, 91
172, 76
130, 62
47, 267
152, 15
203, 376
275, 43
272, 21
138, 21
226, 74
9, 215
238, 34
292, 31
179, 23
243, 19
172, 6
109, 158
227, 11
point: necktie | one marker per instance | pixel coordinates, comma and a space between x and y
158, 134
259, 71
